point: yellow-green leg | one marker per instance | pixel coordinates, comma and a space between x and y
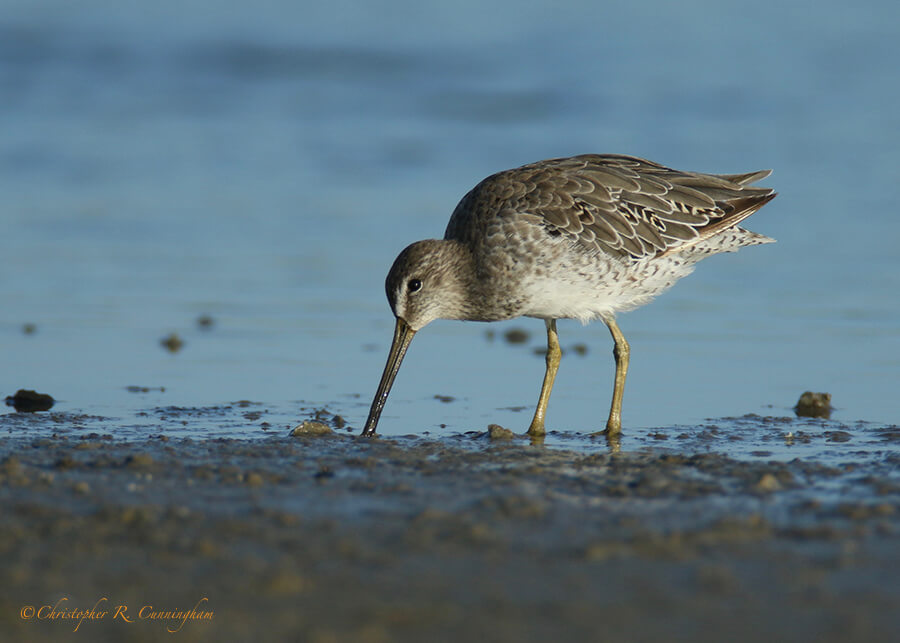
621, 351
553, 355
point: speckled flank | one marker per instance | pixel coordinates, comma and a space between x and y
581, 238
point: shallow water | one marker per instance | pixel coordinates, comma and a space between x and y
264, 166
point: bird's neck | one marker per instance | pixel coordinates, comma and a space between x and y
473, 294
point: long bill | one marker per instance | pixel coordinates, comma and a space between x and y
403, 335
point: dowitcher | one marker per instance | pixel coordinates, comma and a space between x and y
576, 238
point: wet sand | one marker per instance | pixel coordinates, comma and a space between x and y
459, 537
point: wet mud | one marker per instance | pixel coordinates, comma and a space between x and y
743, 529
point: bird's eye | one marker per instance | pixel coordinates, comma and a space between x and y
413, 285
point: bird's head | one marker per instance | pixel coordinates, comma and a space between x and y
428, 281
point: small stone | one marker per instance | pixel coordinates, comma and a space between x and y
28, 401
172, 342
497, 432
814, 405
310, 428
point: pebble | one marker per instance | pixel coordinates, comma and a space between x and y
310, 428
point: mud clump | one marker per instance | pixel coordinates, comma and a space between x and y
172, 342
497, 432
814, 405
27, 401
310, 428
516, 336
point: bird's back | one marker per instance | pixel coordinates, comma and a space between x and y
622, 206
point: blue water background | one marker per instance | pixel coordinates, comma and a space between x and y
264, 162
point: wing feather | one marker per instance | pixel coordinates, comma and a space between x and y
620, 205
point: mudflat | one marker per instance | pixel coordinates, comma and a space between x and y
695, 533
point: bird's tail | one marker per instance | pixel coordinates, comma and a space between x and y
745, 179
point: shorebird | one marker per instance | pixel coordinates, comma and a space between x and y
579, 238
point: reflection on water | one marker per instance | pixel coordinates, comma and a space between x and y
264, 169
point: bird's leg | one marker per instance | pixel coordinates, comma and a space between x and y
553, 355
621, 351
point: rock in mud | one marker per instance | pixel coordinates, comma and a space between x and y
814, 405
27, 401
497, 432
172, 343
310, 428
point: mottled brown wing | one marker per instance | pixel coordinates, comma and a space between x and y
621, 205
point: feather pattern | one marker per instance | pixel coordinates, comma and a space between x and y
623, 206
